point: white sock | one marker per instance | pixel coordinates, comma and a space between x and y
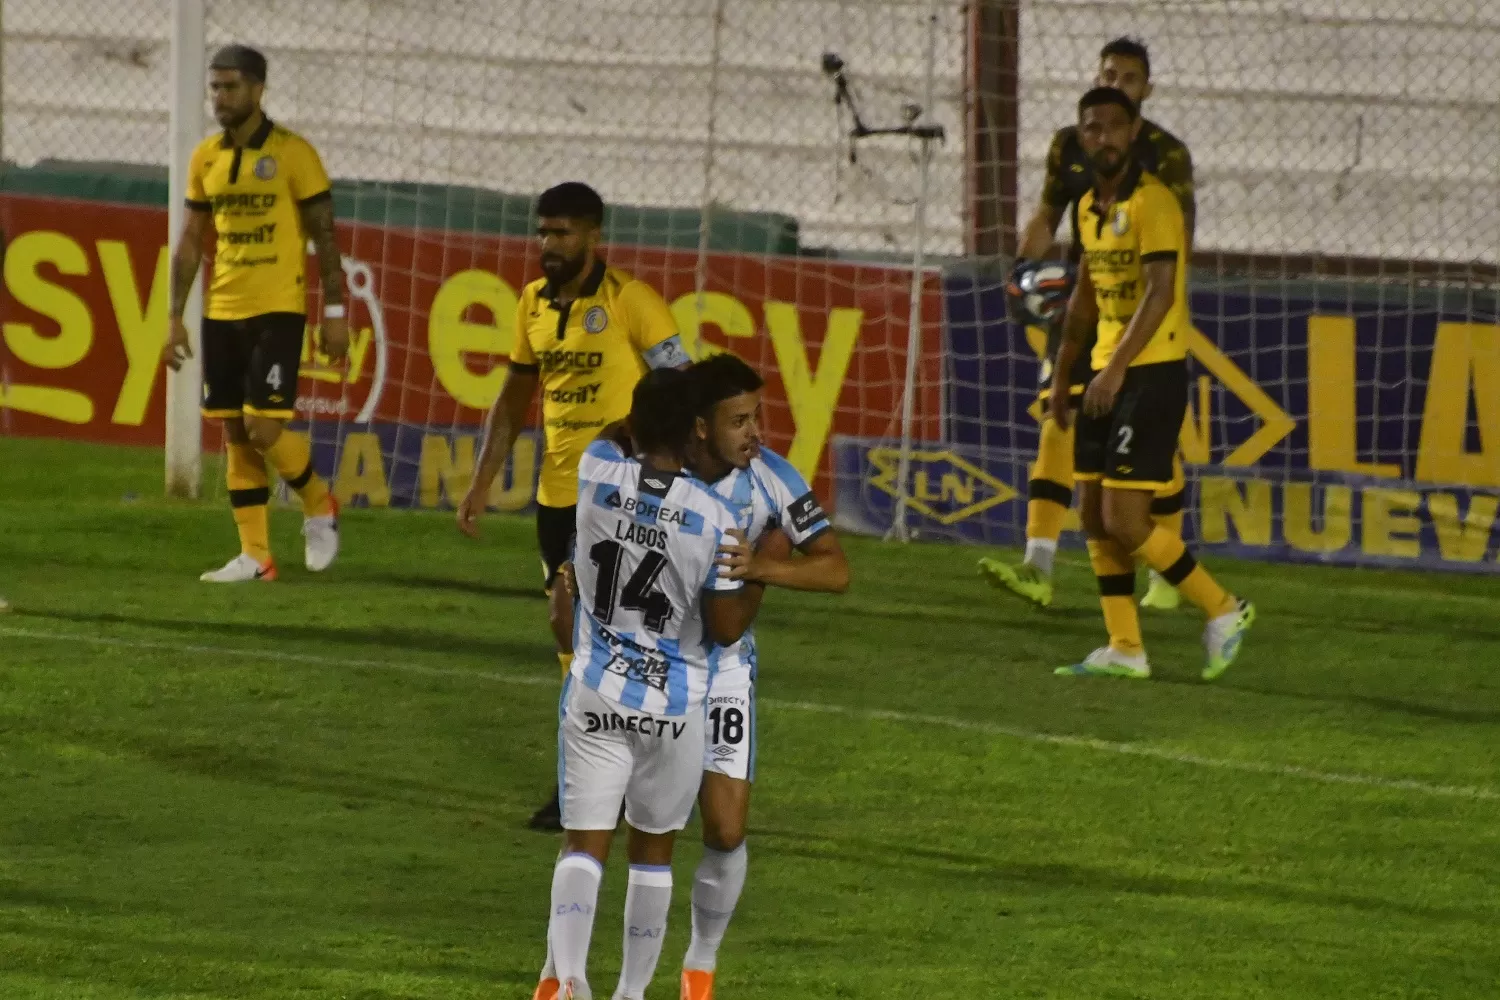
647, 901
549, 967
1040, 553
575, 892
716, 892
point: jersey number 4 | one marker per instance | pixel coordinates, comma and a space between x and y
640, 592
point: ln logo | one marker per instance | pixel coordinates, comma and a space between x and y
943, 486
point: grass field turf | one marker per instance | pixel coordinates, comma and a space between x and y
317, 788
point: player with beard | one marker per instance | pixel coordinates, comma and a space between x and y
1124, 64
585, 334
262, 190
1131, 299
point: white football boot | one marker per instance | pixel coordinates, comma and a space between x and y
1106, 661
322, 539
242, 569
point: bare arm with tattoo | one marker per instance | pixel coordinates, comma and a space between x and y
185, 261
317, 223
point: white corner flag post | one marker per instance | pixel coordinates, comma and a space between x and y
184, 444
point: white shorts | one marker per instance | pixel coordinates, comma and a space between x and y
608, 754
729, 725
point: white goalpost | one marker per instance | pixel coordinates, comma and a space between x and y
184, 427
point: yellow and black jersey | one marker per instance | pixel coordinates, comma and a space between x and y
256, 194
589, 354
1070, 175
1144, 224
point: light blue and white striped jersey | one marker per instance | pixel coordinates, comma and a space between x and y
645, 553
767, 495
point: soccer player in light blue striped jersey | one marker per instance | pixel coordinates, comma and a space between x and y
776, 509
652, 597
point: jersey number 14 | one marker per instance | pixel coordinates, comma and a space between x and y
640, 593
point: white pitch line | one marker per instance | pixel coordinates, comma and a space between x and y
821, 708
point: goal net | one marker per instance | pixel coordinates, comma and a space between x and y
1347, 162
711, 131
1346, 383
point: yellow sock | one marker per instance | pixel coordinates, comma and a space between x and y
245, 473
1171, 522
1044, 518
1165, 553
1116, 575
293, 461
1050, 491
565, 660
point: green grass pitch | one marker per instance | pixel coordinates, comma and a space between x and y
317, 788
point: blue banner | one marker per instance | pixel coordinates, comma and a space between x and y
401, 465
1342, 424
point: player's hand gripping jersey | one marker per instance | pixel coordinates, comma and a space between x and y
632, 708
770, 495
645, 554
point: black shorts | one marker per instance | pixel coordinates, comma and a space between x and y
1133, 446
1082, 368
555, 527
250, 365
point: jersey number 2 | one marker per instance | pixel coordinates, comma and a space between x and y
640, 592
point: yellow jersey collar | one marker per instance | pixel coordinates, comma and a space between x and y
588, 289
1128, 184
257, 138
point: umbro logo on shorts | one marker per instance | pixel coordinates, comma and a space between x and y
724, 750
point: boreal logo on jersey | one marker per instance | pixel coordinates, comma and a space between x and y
613, 500
265, 168
596, 319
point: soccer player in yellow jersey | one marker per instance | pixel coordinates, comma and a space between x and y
263, 190
585, 333
1126, 64
1132, 292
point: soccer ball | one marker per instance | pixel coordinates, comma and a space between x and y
1042, 290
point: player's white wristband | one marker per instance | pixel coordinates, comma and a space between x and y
334, 312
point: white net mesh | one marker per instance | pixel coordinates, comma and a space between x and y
1347, 161
1364, 129
1348, 173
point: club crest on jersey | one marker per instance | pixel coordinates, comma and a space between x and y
595, 320
265, 167
1120, 224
